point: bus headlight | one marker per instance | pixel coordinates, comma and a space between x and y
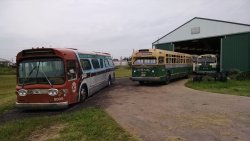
134, 70
153, 71
52, 92
22, 92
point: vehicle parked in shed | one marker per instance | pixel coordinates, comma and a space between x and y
49, 78
206, 64
194, 60
155, 65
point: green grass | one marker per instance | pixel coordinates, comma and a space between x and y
232, 87
87, 124
4, 70
7, 92
90, 124
124, 71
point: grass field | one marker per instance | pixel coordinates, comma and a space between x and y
90, 124
124, 71
7, 92
7, 70
232, 87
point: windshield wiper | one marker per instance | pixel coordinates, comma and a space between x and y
46, 78
28, 75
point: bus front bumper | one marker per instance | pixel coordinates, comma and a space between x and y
148, 79
59, 105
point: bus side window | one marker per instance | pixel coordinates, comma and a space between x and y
101, 63
170, 59
161, 60
71, 69
95, 63
110, 62
106, 63
174, 59
85, 64
166, 58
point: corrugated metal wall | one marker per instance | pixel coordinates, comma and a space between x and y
167, 46
236, 52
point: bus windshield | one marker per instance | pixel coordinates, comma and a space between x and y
41, 71
206, 59
145, 61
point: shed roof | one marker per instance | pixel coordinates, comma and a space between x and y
198, 28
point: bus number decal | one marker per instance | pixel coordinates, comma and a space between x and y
58, 98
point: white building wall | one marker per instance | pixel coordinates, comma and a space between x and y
208, 28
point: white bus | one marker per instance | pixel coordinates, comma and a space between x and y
98, 70
55, 78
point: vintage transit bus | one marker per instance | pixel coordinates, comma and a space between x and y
53, 78
207, 63
155, 65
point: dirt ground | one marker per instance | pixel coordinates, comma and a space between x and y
174, 112
166, 112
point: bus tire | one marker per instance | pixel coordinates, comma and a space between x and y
83, 94
109, 81
167, 78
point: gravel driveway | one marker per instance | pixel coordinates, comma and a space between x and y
175, 113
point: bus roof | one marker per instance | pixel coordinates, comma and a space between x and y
156, 52
67, 53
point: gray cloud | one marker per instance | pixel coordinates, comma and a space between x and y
115, 26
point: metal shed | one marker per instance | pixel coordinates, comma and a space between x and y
229, 40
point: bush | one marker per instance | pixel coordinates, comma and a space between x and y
208, 78
243, 76
233, 73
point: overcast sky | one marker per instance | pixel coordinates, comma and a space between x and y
114, 26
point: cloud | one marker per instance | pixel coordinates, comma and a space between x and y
115, 26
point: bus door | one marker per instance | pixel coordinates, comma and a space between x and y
72, 80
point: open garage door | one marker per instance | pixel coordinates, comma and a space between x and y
199, 47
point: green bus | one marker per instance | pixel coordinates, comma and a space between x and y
155, 65
207, 64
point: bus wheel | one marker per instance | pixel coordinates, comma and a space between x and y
109, 82
167, 79
83, 94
